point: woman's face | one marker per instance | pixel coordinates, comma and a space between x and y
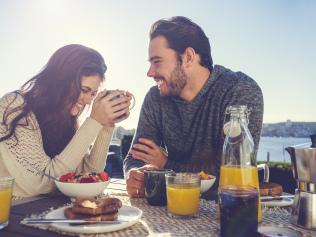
89, 89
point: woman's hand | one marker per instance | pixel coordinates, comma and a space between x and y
110, 108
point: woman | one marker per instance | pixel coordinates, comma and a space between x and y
39, 130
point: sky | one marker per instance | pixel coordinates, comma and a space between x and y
273, 41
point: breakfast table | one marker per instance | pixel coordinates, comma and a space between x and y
154, 220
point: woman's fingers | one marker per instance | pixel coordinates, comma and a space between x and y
120, 107
111, 107
121, 118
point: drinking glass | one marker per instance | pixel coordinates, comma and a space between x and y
183, 194
6, 187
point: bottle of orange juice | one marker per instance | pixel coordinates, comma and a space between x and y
238, 168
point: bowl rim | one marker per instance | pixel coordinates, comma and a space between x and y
209, 175
78, 189
77, 184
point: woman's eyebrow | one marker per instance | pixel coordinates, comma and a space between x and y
86, 87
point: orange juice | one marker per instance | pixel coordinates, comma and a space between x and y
183, 199
240, 176
5, 204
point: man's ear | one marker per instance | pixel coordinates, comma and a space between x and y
188, 57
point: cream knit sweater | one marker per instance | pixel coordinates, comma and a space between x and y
24, 159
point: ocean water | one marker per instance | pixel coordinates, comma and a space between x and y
275, 146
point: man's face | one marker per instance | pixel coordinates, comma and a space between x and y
165, 68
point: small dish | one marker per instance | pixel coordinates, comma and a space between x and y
271, 231
206, 184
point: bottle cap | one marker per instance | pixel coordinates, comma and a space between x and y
235, 131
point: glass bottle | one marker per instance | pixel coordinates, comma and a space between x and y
238, 167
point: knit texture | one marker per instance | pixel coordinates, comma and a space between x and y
24, 158
192, 132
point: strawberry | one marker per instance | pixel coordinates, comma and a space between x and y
66, 177
104, 176
88, 180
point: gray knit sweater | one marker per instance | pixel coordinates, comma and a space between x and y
192, 132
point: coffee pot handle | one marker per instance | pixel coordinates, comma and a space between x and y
266, 172
313, 139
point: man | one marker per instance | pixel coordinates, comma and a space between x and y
181, 120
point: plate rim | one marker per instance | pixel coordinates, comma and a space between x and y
268, 228
285, 202
95, 229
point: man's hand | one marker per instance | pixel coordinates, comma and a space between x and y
147, 151
135, 181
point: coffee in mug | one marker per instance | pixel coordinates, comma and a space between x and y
155, 186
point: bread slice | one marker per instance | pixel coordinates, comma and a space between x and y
270, 189
70, 214
96, 207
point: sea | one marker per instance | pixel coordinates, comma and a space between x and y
275, 147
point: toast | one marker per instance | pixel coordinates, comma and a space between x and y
70, 214
270, 189
94, 209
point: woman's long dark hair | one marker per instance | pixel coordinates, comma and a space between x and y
51, 94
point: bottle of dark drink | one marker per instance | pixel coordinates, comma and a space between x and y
239, 204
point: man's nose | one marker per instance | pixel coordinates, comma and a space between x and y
151, 72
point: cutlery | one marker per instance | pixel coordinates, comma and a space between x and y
276, 198
47, 175
74, 222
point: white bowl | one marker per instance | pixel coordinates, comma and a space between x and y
82, 190
206, 184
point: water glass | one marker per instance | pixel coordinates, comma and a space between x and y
183, 194
6, 187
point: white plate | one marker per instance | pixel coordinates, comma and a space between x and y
284, 202
126, 213
275, 231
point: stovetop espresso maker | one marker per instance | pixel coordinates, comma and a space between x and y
303, 159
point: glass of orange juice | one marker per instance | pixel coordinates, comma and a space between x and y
183, 194
6, 186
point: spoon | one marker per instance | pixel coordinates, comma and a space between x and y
47, 175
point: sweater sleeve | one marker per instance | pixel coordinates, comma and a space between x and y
96, 160
147, 128
24, 157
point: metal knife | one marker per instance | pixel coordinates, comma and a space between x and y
79, 222
275, 198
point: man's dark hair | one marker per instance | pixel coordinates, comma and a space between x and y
181, 33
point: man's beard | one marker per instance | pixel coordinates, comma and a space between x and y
177, 82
